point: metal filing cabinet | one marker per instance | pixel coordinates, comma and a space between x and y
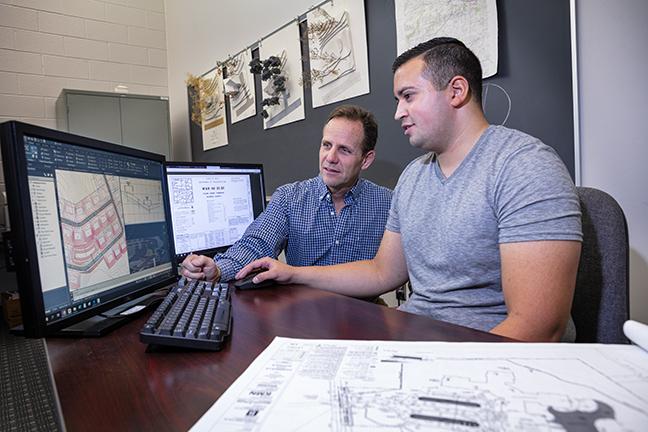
136, 121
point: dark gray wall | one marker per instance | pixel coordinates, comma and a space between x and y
534, 68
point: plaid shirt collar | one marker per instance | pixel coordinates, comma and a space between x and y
353, 194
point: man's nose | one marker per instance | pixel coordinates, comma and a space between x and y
331, 156
400, 112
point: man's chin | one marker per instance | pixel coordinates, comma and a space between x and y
416, 143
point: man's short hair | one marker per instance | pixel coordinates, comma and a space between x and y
369, 126
445, 58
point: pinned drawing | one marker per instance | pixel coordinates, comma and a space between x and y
338, 52
283, 49
214, 124
473, 22
239, 87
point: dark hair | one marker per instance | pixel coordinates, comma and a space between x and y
446, 58
369, 126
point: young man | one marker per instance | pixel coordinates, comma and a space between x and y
486, 226
334, 218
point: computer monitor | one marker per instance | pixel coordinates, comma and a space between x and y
212, 204
90, 225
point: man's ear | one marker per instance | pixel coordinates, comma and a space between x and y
368, 159
459, 91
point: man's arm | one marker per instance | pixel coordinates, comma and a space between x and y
263, 237
538, 280
384, 273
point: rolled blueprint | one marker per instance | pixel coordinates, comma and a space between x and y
637, 333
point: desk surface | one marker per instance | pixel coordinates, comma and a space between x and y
113, 383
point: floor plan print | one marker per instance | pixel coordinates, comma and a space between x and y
335, 385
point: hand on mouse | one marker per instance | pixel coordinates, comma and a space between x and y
269, 269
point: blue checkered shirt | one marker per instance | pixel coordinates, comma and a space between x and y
301, 218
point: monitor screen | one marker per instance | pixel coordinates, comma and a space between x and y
212, 204
90, 223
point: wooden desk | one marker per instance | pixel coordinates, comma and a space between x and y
112, 383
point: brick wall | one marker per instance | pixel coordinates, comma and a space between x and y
48, 45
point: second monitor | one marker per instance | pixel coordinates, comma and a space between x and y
212, 204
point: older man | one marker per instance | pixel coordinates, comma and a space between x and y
333, 218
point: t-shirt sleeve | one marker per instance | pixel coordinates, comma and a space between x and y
535, 198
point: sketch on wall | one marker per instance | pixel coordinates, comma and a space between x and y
337, 40
214, 124
285, 45
472, 22
239, 87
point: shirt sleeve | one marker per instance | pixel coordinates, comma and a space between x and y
265, 236
535, 198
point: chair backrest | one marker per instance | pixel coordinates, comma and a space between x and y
600, 304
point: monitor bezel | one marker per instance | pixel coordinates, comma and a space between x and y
20, 213
201, 164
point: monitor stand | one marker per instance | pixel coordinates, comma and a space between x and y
109, 320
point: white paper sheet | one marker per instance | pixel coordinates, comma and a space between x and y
473, 22
285, 44
214, 122
337, 39
322, 385
240, 79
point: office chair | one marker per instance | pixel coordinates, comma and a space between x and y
600, 304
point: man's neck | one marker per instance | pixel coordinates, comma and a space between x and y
337, 196
461, 144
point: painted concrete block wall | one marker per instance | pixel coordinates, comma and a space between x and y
48, 45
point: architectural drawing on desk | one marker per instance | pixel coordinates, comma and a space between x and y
92, 224
473, 22
239, 87
408, 386
214, 123
338, 52
284, 44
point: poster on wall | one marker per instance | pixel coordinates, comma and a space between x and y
337, 47
472, 22
214, 124
284, 45
239, 87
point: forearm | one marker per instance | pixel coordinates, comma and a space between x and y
357, 279
516, 327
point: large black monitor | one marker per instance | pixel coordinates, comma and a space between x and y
90, 228
212, 204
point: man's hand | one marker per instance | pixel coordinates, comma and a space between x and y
275, 270
200, 267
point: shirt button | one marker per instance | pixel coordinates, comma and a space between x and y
337, 242
332, 213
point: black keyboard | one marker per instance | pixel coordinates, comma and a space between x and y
194, 314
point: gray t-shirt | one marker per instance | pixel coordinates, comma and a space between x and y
510, 188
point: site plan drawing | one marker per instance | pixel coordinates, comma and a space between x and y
340, 385
93, 227
95, 210
473, 22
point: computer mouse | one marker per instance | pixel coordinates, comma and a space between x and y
246, 283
